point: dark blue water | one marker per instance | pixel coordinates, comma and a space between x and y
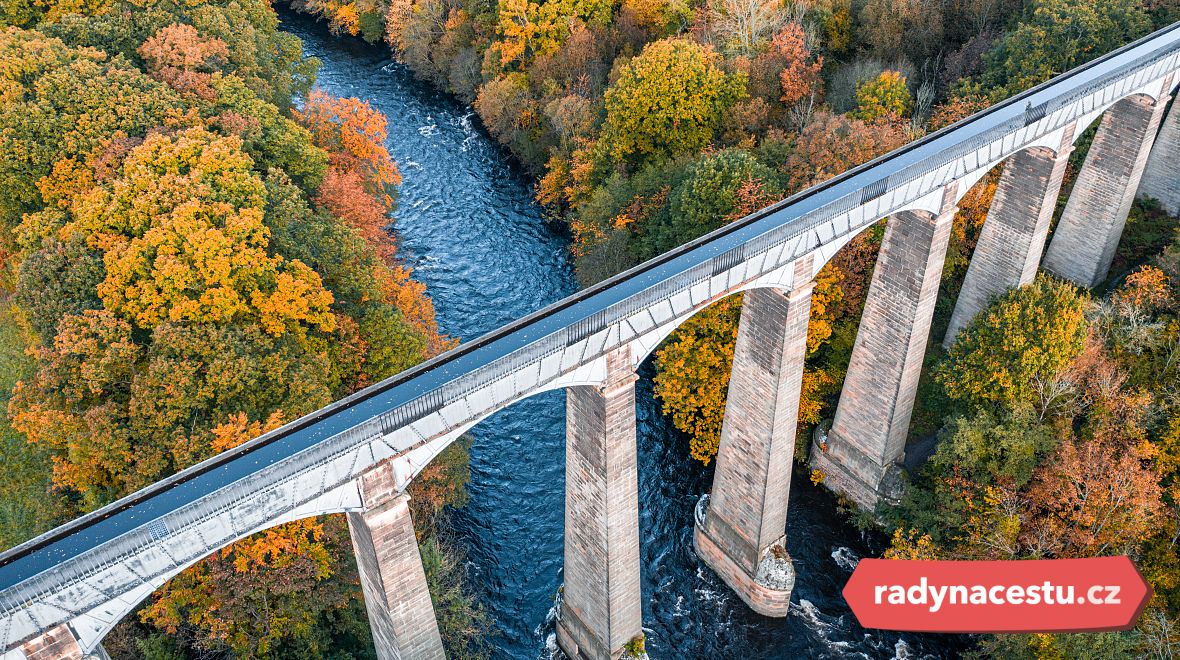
470, 230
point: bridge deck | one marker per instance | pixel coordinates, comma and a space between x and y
421, 386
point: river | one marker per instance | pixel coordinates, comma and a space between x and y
468, 226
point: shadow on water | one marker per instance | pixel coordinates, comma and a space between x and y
468, 226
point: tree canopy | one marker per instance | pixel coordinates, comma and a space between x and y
668, 101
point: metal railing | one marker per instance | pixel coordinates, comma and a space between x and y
148, 514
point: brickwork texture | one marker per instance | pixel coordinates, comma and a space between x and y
392, 578
601, 608
872, 419
1013, 236
1088, 233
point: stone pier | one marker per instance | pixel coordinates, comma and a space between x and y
1160, 180
600, 608
740, 530
866, 443
1088, 233
392, 578
1013, 236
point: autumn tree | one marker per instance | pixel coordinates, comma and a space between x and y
1023, 340
785, 76
831, 144
354, 133
667, 102
907, 28
183, 239
509, 113
27, 13
883, 97
359, 184
743, 27
363, 18
528, 29
262, 596
1057, 36
693, 374
716, 189
800, 72
59, 103
1097, 496
180, 57
954, 109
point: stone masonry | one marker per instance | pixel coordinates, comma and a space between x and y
746, 519
392, 577
872, 420
601, 610
1160, 180
1013, 236
1088, 233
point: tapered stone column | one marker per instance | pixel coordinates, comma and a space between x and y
740, 529
1013, 236
1160, 175
1088, 233
867, 439
392, 578
57, 643
600, 608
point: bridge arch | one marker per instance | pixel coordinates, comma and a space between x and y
92, 626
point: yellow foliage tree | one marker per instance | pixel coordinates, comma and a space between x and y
183, 239
885, 96
693, 377
668, 101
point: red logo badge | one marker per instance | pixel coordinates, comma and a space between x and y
1050, 595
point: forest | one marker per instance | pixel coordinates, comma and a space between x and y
189, 260
194, 250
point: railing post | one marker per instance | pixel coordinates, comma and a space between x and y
1091, 225
392, 578
740, 532
601, 610
1013, 236
868, 435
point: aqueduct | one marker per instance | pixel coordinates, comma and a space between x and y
62, 592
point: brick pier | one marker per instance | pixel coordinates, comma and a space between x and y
1013, 236
1088, 233
741, 533
601, 610
868, 434
1160, 180
392, 578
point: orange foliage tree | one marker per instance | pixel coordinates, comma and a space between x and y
800, 74
1097, 496
693, 378
358, 188
179, 56
831, 144
354, 133
183, 238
